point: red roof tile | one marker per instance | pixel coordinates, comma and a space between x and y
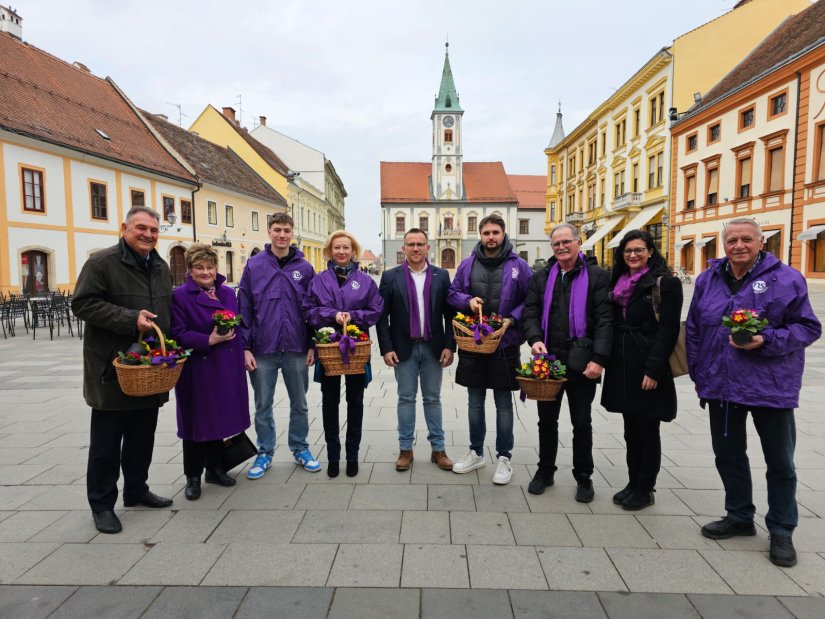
368, 256
530, 190
793, 36
48, 99
410, 182
215, 164
264, 152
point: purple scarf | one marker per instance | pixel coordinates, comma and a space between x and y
415, 311
625, 286
577, 314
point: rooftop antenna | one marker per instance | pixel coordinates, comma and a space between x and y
180, 112
239, 100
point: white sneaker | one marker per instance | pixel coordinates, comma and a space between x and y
470, 462
504, 471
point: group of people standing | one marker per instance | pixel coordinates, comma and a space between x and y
622, 324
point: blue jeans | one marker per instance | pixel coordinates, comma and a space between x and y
777, 432
422, 365
504, 420
296, 378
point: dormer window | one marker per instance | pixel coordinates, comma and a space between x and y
448, 103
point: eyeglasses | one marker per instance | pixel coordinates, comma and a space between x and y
562, 243
636, 251
414, 245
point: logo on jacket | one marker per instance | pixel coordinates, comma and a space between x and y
296, 275
515, 273
759, 286
355, 285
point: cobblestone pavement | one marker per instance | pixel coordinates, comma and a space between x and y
425, 542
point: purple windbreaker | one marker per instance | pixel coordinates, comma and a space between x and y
358, 296
770, 376
269, 300
514, 283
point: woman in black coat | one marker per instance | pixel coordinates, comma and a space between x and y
638, 382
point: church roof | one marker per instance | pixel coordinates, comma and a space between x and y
404, 182
447, 99
530, 190
48, 99
558, 132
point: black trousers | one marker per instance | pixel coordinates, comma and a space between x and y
119, 439
330, 401
580, 394
197, 454
644, 450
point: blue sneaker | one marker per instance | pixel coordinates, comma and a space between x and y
305, 459
262, 462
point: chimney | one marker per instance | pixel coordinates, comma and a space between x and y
262, 121
229, 113
81, 66
163, 117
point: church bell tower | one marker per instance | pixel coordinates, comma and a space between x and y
447, 177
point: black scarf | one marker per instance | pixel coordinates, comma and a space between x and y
494, 261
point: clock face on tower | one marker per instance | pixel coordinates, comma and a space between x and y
448, 121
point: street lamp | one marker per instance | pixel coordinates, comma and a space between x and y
171, 218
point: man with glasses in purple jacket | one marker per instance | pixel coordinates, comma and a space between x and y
273, 285
762, 377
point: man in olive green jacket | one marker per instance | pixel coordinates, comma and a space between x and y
120, 292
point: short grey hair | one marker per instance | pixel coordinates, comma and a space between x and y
142, 209
566, 226
746, 221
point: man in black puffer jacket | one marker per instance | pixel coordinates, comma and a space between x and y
494, 280
568, 314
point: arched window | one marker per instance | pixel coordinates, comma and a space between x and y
35, 271
177, 265
448, 258
448, 136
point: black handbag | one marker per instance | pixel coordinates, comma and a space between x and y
581, 352
237, 450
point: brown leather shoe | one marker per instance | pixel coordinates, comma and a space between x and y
405, 460
441, 459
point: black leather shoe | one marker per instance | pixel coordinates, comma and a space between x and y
332, 469
584, 491
727, 528
782, 550
352, 468
637, 500
539, 483
193, 488
622, 494
217, 476
149, 499
107, 522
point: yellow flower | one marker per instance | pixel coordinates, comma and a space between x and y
352, 329
460, 316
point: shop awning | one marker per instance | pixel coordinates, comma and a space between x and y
811, 233
641, 218
599, 234
770, 233
704, 241
683, 243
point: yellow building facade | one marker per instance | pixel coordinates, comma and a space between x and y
612, 172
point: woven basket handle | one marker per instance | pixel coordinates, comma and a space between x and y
160, 337
480, 314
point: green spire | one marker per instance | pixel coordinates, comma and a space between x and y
447, 99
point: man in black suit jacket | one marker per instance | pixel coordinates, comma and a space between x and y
415, 337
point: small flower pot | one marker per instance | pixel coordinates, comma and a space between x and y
740, 338
223, 330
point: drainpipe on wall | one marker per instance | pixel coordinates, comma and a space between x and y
793, 176
194, 214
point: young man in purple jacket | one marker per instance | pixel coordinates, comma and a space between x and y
762, 377
277, 338
493, 279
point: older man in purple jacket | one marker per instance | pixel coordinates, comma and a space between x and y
277, 338
762, 377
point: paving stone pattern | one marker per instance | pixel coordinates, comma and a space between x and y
423, 543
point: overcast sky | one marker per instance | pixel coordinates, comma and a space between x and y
356, 79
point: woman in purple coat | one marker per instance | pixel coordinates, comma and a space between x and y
212, 399
342, 294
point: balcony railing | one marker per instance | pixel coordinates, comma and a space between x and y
450, 233
574, 217
626, 200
